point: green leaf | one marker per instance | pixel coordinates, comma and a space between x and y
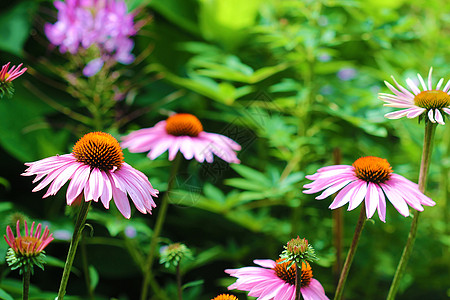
213, 192
244, 184
4, 182
16, 24
5, 296
180, 12
251, 174
93, 275
192, 284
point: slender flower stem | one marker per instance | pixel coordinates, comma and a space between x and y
79, 225
351, 253
430, 128
179, 290
26, 283
298, 282
158, 227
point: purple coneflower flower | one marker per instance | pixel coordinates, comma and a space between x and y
369, 178
184, 133
276, 281
435, 103
97, 171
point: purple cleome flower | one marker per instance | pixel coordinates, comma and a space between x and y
84, 23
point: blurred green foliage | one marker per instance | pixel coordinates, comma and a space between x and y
268, 75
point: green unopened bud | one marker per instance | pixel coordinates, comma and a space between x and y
298, 250
172, 254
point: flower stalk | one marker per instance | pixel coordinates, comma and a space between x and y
298, 282
158, 227
430, 129
26, 283
179, 289
79, 226
351, 254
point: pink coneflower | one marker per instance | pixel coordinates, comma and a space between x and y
11, 74
95, 167
184, 133
369, 178
32, 243
435, 103
276, 281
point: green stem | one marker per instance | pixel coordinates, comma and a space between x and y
351, 253
158, 227
298, 282
180, 293
79, 225
26, 282
424, 164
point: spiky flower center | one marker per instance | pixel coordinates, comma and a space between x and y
99, 150
27, 245
372, 169
288, 274
183, 124
434, 99
225, 297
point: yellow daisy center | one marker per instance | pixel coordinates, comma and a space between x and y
434, 99
372, 169
183, 124
99, 150
225, 297
288, 275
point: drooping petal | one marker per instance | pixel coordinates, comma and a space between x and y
360, 193
397, 201
314, 291
381, 208
121, 201
372, 199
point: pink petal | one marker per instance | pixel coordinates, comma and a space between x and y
397, 201
360, 193
122, 203
77, 183
314, 291
381, 209
372, 199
